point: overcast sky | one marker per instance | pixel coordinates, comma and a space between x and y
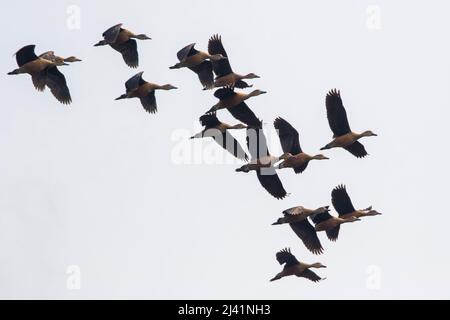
99, 186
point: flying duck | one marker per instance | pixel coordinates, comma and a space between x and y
330, 224
344, 206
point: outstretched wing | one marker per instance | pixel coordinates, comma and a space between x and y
229, 143
286, 257
134, 82
341, 200
209, 120
149, 102
129, 52
205, 74
270, 180
245, 115
111, 34
333, 234
311, 275
224, 93
289, 137
25, 55
320, 217
337, 116
306, 232
58, 85
357, 149
221, 67
186, 52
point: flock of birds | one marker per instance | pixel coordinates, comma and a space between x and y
214, 71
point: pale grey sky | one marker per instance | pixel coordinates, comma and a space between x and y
96, 185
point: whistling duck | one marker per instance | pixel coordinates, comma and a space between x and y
344, 206
297, 218
290, 142
344, 137
222, 68
59, 61
43, 73
234, 102
199, 62
219, 132
262, 162
330, 224
124, 42
137, 87
293, 267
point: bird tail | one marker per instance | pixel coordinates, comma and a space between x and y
124, 96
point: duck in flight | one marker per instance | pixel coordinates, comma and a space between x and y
293, 267
123, 41
263, 163
344, 206
43, 73
137, 87
234, 102
290, 142
331, 225
344, 137
219, 131
297, 218
199, 62
59, 61
222, 68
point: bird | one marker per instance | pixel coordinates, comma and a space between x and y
344, 137
59, 61
262, 162
123, 41
290, 143
344, 206
222, 68
199, 62
219, 131
293, 267
137, 87
234, 102
330, 224
297, 218
43, 73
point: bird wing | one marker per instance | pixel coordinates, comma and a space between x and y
149, 102
337, 116
229, 143
129, 52
257, 143
221, 67
241, 84
39, 80
311, 275
320, 217
357, 149
341, 200
269, 179
49, 55
25, 55
286, 257
224, 93
134, 82
56, 81
205, 74
209, 120
289, 137
333, 234
244, 114
306, 232
186, 52
301, 168
111, 34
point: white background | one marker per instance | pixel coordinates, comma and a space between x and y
96, 185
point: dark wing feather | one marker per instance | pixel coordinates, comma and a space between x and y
221, 67
333, 234
39, 80
301, 168
337, 116
357, 149
257, 143
244, 114
186, 52
286, 257
341, 200
25, 55
129, 52
241, 84
209, 120
58, 85
271, 182
311, 275
149, 102
320, 217
134, 82
305, 231
205, 74
229, 143
289, 137
224, 93
111, 34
